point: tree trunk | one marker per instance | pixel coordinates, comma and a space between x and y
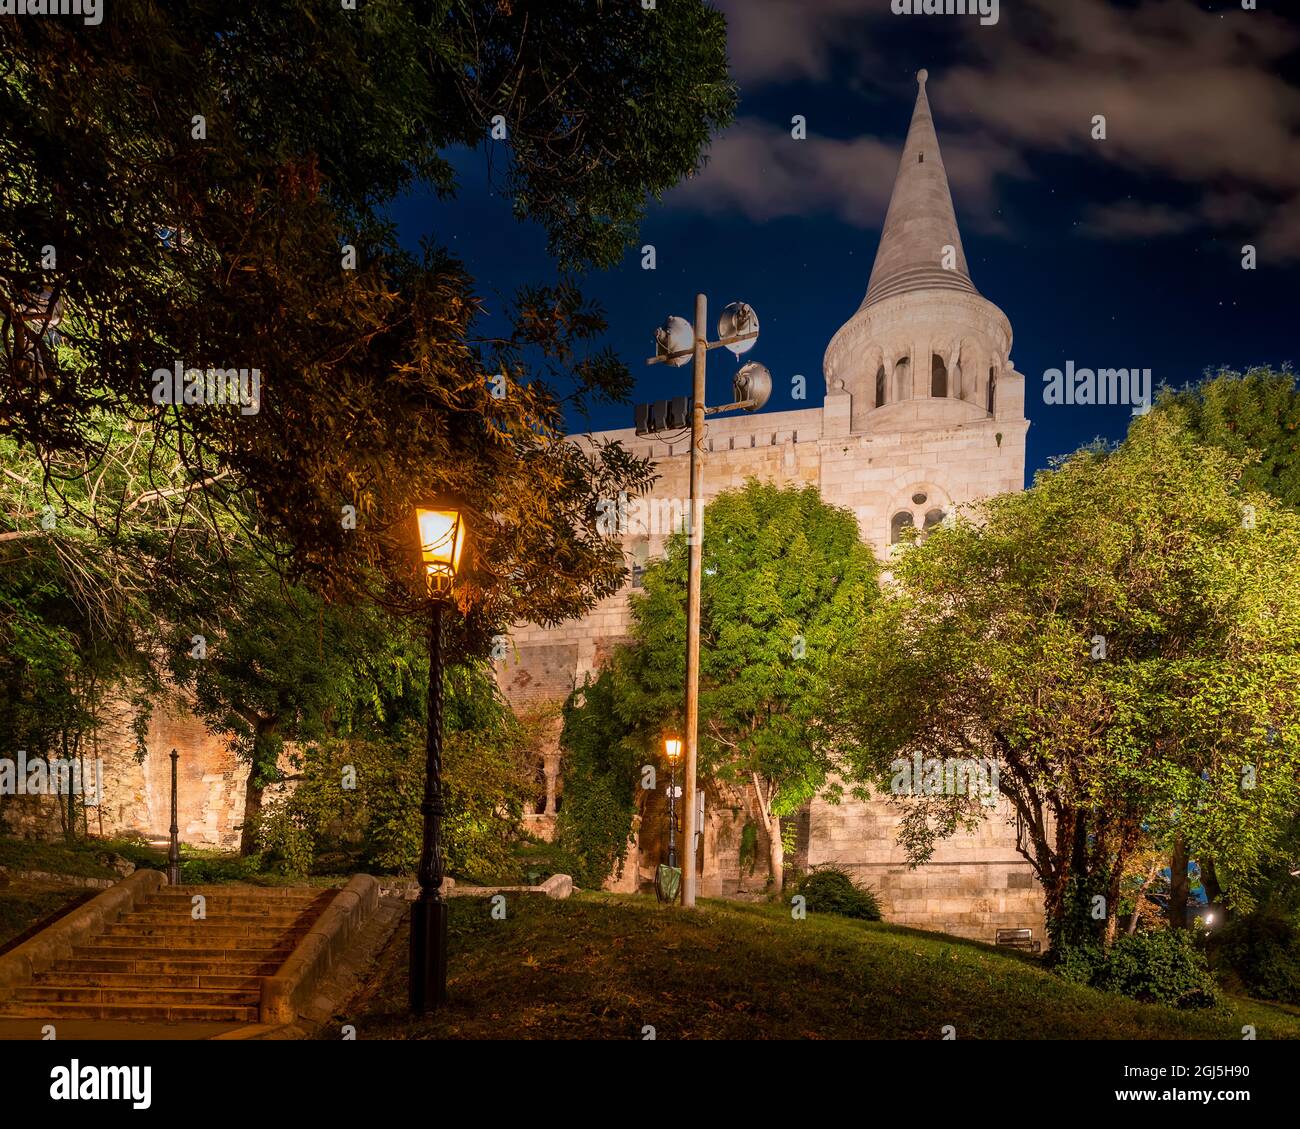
775, 852
259, 772
772, 824
1142, 893
1178, 888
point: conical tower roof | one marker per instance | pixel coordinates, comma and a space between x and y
920, 222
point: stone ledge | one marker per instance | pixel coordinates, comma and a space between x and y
286, 993
18, 966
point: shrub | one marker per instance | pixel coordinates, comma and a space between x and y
1263, 951
830, 889
287, 844
1163, 967
602, 766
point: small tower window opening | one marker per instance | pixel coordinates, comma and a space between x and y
993, 384
640, 558
938, 376
902, 521
902, 379
920, 158
880, 387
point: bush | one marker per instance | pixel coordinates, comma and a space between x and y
830, 889
287, 845
1263, 951
602, 766
1164, 967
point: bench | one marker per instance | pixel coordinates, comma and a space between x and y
1019, 939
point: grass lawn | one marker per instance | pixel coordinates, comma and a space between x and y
602, 966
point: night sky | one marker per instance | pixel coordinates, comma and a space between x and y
1117, 253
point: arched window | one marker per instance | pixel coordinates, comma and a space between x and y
993, 383
880, 387
902, 379
938, 376
902, 521
933, 518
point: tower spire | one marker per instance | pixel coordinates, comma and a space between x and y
920, 222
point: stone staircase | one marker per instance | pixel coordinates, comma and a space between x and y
160, 964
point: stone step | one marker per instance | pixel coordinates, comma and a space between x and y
156, 996
200, 933
248, 981
234, 916
226, 965
158, 1013
236, 905
153, 955
252, 893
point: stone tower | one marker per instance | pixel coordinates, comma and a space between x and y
924, 348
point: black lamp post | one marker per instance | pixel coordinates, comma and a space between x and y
673, 750
174, 843
442, 540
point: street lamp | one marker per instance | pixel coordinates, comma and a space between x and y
673, 750
441, 533
737, 331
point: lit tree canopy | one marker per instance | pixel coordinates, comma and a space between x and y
1123, 639
785, 587
188, 185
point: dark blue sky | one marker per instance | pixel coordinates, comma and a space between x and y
1117, 253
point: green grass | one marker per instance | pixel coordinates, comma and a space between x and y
601, 966
82, 859
20, 910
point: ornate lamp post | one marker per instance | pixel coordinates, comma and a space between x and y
442, 541
174, 845
673, 750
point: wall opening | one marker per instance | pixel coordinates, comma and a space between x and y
938, 376
902, 379
880, 387
993, 384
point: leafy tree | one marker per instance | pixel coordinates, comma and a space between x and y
358, 796
203, 218
1254, 417
86, 545
603, 754
268, 664
990, 643
785, 587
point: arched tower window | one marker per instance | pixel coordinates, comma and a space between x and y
938, 376
880, 387
902, 379
993, 383
901, 521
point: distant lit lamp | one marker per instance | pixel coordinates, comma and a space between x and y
441, 534
673, 751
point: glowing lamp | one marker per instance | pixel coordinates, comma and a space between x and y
442, 540
672, 748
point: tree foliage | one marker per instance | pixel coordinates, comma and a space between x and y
159, 238
1254, 417
785, 586
1122, 643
